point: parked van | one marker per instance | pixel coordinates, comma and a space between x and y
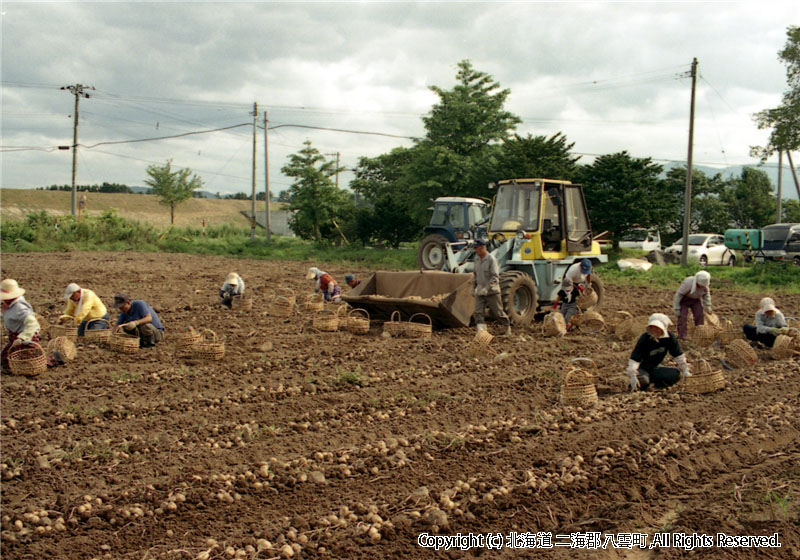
642, 239
782, 242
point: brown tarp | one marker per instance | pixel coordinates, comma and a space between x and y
445, 297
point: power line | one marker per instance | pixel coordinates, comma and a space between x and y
341, 130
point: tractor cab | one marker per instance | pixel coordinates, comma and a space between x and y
454, 220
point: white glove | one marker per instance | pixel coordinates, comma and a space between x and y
683, 366
483, 291
633, 373
677, 311
330, 288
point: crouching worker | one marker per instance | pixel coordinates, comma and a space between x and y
577, 278
770, 322
233, 286
18, 319
644, 365
85, 309
326, 285
138, 318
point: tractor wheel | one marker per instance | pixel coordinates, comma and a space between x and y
597, 286
430, 255
520, 297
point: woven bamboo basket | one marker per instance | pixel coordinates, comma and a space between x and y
281, 306
739, 354
97, 335
340, 308
64, 347
67, 330
480, 345
44, 326
712, 319
705, 335
28, 359
729, 331
785, 347
554, 324
422, 328
704, 379
326, 320
617, 318
587, 299
313, 303
591, 322
358, 321
587, 366
394, 326
208, 348
186, 341
123, 342
287, 293
242, 303
578, 388
630, 327
793, 323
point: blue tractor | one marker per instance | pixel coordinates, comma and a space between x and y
454, 221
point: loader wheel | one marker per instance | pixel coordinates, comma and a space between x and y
520, 297
430, 255
597, 286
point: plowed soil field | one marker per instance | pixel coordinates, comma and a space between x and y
311, 444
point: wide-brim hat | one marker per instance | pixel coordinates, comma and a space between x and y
232, 279
9, 289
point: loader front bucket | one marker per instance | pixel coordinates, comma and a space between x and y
445, 297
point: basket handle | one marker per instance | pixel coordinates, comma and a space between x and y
589, 360
204, 332
276, 299
26, 346
706, 367
411, 319
342, 310
392, 319
364, 311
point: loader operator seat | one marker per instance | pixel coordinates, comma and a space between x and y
551, 236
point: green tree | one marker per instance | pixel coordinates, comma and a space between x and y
173, 187
536, 156
314, 198
750, 199
784, 120
624, 192
709, 212
791, 211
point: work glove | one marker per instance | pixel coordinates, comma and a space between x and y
677, 312
580, 288
774, 331
683, 366
64, 318
474, 290
17, 342
633, 373
783, 330
708, 310
129, 326
483, 291
555, 305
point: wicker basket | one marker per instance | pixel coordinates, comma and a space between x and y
785, 347
394, 326
242, 303
417, 329
712, 319
67, 330
705, 335
186, 341
44, 326
313, 303
123, 342
28, 359
704, 380
578, 388
591, 322
281, 306
480, 345
617, 318
358, 321
326, 320
207, 348
98, 335
630, 327
64, 347
554, 324
587, 299
729, 331
587, 366
287, 293
739, 354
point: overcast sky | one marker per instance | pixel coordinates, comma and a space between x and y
610, 76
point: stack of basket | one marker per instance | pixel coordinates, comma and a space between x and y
123, 342
422, 328
704, 379
587, 299
590, 322
739, 354
186, 341
28, 359
208, 348
554, 324
62, 348
578, 387
358, 321
326, 320
97, 335
394, 326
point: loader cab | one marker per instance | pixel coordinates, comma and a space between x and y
552, 213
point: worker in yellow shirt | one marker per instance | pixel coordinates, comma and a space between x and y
85, 309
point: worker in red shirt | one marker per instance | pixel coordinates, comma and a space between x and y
326, 285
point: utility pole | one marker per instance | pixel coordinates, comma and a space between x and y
78, 91
337, 167
780, 186
253, 197
687, 204
266, 178
794, 173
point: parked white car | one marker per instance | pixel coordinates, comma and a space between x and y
642, 239
705, 249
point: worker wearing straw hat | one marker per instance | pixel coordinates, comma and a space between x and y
233, 286
770, 322
644, 364
694, 293
84, 308
18, 318
137, 317
326, 285
486, 287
